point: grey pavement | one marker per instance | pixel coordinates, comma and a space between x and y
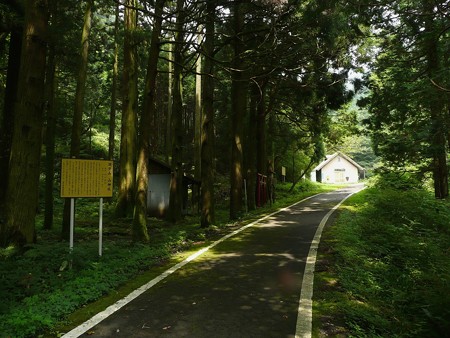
246, 286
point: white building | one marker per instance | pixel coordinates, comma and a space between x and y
337, 168
158, 194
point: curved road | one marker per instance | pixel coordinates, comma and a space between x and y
246, 286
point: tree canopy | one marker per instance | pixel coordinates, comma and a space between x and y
409, 87
273, 89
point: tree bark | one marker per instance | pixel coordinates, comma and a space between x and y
115, 74
169, 105
437, 130
7, 125
80, 92
198, 123
149, 110
51, 127
176, 182
261, 153
207, 129
271, 155
302, 174
127, 179
238, 109
252, 148
23, 184
75, 140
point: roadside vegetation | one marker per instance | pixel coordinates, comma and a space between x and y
384, 266
42, 284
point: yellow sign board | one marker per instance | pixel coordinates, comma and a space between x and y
86, 178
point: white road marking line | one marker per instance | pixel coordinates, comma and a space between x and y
304, 317
90, 323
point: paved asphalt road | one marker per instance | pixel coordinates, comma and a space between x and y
246, 286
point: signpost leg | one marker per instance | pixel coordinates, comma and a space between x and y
72, 217
100, 228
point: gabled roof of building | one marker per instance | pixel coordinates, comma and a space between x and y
329, 158
167, 169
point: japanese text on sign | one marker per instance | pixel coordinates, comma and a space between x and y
86, 178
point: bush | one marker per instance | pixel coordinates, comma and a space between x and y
393, 263
306, 185
396, 180
39, 288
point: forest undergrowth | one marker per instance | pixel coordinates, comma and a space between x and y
384, 266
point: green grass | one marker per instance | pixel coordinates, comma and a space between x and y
45, 290
384, 267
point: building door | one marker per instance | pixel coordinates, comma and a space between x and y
339, 175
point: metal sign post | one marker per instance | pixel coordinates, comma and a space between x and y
100, 227
86, 178
72, 221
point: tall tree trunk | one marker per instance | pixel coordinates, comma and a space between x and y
149, 110
271, 158
7, 125
252, 148
169, 105
437, 105
176, 182
207, 129
439, 153
75, 144
22, 191
51, 127
127, 179
238, 108
261, 153
295, 181
448, 125
271, 136
115, 73
198, 123
75, 140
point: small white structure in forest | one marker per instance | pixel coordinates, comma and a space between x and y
158, 194
337, 168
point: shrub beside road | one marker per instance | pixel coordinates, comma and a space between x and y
384, 267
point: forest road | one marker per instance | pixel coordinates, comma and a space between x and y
246, 286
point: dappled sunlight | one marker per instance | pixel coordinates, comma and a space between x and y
161, 207
237, 141
8, 251
285, 255
271, 224
202, 291
251, 282
310, 209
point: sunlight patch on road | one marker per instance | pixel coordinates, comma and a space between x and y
285, 255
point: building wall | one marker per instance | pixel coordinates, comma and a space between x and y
339, 170
158, 194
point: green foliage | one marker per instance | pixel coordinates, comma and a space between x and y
43, 284
307, 185
390, 247
348, 134
303, 189
407, 110
397, 180
39, 288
